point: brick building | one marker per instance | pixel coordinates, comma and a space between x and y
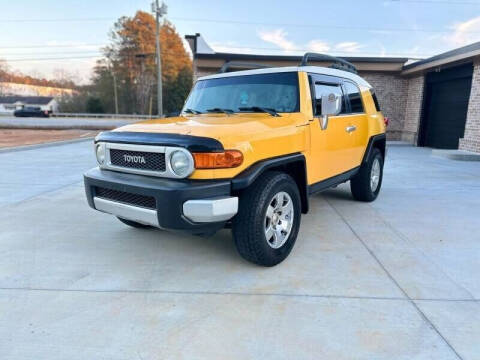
433, 102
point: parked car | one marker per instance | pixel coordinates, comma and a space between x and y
247, 151
31, 111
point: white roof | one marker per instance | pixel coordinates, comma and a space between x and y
311, 69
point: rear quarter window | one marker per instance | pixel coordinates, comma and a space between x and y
375, 100
353, 93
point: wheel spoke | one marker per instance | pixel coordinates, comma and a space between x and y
286, 210
270, 211
279, 201
279, 234
269, 232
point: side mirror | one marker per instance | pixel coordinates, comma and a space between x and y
331, 106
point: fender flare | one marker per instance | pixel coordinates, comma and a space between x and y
378, 141
297, 169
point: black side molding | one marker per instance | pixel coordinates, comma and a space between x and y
381, 139
248, 176
330, 182
191, 143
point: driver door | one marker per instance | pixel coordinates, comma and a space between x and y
332, 147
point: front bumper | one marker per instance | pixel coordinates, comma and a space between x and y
194, 206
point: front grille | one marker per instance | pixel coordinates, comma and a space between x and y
142, 160
126, 198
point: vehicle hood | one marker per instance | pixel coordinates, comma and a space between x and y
228, 129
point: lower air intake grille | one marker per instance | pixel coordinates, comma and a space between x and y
126, 198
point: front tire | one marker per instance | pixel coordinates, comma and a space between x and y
267, 224
366, 184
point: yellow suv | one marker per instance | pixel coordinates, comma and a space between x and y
247, 150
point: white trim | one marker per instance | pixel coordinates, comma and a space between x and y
211, 210
311, 69
128, 212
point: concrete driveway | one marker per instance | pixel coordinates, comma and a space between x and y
396, 279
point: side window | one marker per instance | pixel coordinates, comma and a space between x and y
375, 100
355, 98
324, 89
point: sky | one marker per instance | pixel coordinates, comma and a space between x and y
47, 37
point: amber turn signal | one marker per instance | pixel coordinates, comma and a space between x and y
218, 160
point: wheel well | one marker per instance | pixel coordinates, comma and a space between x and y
377, 141
297, 171
380, 144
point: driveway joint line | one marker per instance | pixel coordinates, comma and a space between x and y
186, 292
40, 194
414, 304
406, 239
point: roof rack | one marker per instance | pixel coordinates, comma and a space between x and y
337, 63
231, 64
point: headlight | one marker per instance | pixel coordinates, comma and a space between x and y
100, 153
180, 163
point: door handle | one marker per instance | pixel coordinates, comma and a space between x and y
350, 129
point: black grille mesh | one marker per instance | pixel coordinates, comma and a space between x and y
127, 198
153, 161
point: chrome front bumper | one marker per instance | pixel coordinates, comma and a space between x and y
128, 212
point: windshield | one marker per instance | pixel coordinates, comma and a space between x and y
276, 91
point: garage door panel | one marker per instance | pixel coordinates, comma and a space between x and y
446, 105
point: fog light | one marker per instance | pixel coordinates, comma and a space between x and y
100, 152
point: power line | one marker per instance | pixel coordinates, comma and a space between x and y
338, 27
298, 25
51, 53
50, 46
295, 52
54, 58
448, 2
169, 52
55, 20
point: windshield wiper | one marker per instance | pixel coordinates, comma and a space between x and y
270, 111
192, 111
220, 110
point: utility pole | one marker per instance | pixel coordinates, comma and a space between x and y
112, 72
159, 12
115, 91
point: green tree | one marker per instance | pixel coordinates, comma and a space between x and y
176, 90
94, 105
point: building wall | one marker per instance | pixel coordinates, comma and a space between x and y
391, 92
413, 109
471, 139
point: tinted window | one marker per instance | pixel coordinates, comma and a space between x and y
323, 89
375, 100
278, 91
353, 94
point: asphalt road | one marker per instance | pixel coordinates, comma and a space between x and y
395, 279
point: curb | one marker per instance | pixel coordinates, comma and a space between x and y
53, 143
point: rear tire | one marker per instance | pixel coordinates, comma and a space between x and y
366, 184
133, 223
267, 224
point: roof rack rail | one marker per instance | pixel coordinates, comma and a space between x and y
337, 63
231, 64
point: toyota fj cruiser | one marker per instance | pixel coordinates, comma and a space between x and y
247, 150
